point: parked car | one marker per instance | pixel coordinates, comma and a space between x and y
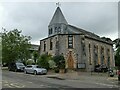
35, 69
101, 68
16, 66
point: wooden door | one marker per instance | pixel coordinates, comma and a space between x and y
70, 61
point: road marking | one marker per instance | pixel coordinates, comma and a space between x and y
107, 85
17, 86
112, 78
8, 85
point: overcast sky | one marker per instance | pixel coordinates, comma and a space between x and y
33, 18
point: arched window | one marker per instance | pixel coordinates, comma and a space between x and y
51, 44
59, 29
50, 31
44, 46
90, 62
55, 29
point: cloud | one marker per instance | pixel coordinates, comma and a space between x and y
33, 17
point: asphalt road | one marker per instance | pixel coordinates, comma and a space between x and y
20, 80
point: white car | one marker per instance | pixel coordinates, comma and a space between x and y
35, 69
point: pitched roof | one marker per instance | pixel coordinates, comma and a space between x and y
73, 29
58, 17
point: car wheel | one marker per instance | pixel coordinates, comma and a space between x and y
35, 72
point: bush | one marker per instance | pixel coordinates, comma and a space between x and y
60, 61
43, 61
30, 62
52, 64
56, 70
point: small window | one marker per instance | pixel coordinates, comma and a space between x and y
59, 29
55, 29
50, 31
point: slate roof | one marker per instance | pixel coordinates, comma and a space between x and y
72, 29
58, 17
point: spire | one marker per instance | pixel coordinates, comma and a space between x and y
58, 17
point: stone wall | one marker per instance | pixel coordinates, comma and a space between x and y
80, 52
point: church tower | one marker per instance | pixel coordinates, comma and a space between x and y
58, 24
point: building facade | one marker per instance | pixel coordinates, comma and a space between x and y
80, 48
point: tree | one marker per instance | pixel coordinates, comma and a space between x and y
52, 64
0, 49
117, 55
35, 55
14, 46
60, 61
43, 61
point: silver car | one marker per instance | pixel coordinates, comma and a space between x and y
35, 69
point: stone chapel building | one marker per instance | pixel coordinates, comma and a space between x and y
80, 48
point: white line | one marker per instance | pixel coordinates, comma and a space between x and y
7, 85
14, 85
107, 85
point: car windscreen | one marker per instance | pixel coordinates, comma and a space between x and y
20, 64
37, 66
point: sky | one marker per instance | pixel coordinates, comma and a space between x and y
33, 18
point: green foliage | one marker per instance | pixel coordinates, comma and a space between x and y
117, 57
52, 64
43, 61
14, 46
30, 62
35, 55
60, 61
0, 50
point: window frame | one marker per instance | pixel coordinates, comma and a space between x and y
70, 41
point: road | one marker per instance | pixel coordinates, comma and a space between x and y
20, 80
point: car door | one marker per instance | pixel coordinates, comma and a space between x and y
28, 68
31, 69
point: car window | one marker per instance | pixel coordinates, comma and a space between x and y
38, 67
19, 64
29, 66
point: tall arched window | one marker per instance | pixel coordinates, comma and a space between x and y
90, 62
44, 46
70, 41
51, 44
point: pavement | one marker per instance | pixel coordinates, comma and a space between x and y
83, 76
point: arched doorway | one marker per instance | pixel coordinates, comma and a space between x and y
70, 60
